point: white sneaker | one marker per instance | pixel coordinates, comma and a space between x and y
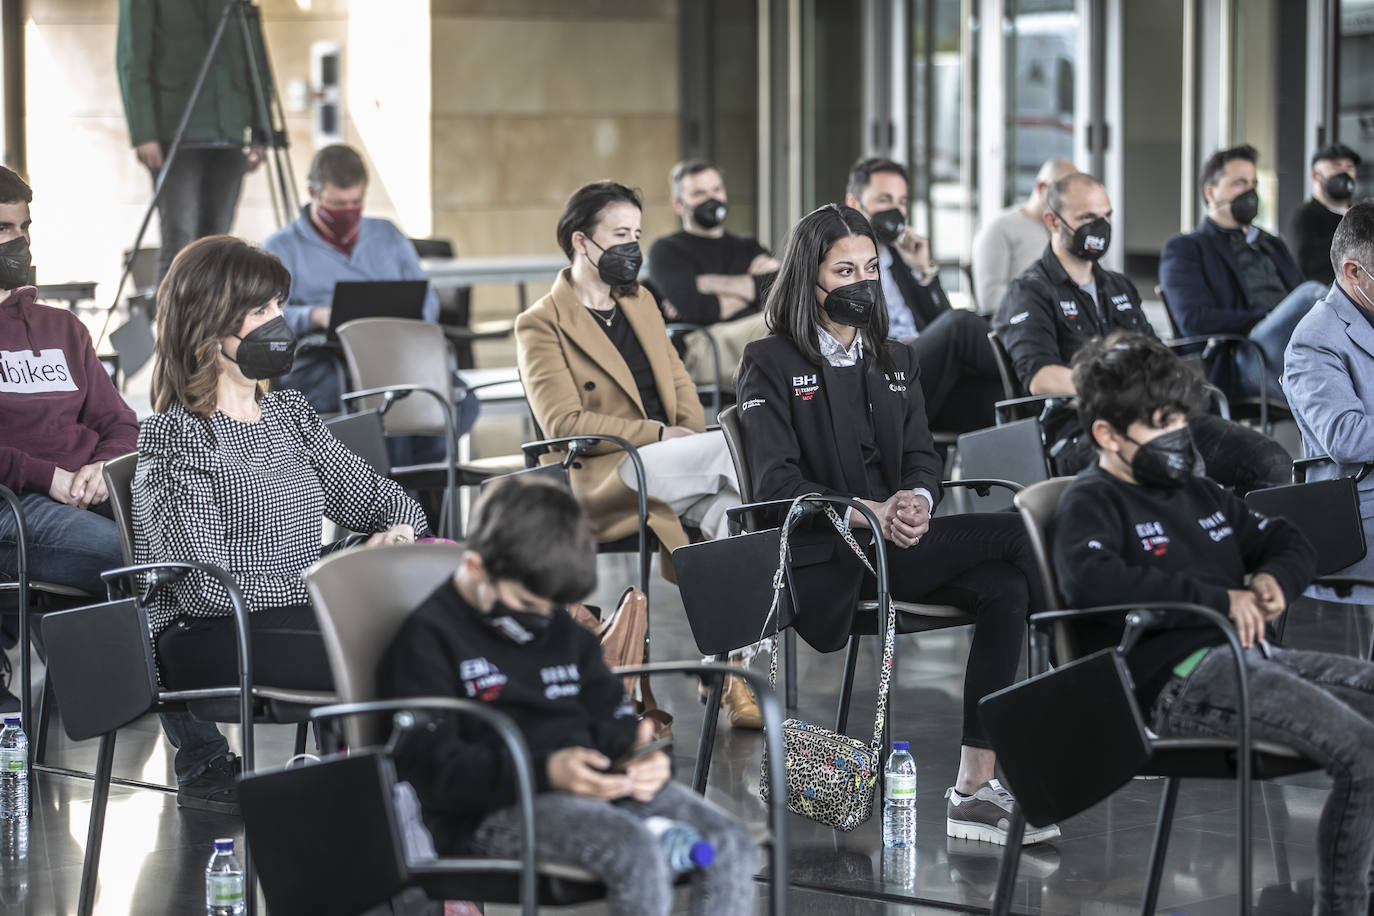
986, 815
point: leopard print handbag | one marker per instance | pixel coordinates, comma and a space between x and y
831, 777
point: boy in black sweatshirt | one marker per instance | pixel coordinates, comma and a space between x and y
499, 633
1140, 525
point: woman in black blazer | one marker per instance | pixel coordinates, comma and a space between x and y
829, 405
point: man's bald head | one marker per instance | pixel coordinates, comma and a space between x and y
1050, 172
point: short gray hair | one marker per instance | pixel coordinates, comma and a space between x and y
1354, 238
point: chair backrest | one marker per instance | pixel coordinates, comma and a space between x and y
143, 271
1014, 451
1036, 504
432, 248
1168, 312
324, 837
1006, 369
100, 660
400, 351
734, 440
363, 434
119, 482
361, 598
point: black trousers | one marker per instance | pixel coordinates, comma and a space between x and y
981, 563
959, 376
1233, 454
198, 198
287, 651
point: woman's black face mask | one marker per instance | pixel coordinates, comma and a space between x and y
851, 304
267, 351
619, 265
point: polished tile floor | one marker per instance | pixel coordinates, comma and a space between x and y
154, 853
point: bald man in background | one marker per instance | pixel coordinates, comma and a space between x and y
1013, 240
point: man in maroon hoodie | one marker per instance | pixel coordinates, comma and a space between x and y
60, 420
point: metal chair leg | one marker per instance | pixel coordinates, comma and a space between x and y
1161, 845
1011, 860
100, 797
706, 743
45, 704
302, 730
851, 661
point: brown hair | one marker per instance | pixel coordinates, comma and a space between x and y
212, 284
338, 165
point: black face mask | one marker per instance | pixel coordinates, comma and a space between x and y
1245, 207
1089, 241
1339, 186
888, 225
15, 259
267, 351
520, 627
709, 214
619, 264
1166, 462
851, 304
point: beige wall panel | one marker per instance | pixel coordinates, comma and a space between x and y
72, 70
491, 161
486, 66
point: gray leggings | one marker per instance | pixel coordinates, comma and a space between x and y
609, 839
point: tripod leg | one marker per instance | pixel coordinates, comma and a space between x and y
172, 150
261, 104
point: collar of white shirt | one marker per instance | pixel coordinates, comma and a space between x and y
835, 353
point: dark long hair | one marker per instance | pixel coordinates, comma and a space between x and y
792, 310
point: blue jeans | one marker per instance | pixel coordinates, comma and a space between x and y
71, 546
1320, 704
1272, 335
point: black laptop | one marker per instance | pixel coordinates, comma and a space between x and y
376, 299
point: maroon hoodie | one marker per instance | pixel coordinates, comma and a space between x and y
58, 407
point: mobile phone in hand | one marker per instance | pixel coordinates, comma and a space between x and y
635, 753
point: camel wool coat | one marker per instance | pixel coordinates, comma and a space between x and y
577, 384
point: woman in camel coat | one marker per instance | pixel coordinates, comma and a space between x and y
595, 358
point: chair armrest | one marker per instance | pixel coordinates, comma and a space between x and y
1142, 614
735, 514
21, 544
1343, 585
457, 333
1300, 466
1011, 409
505, 728
983, 485
237, 603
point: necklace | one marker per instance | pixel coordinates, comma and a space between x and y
232, 416
600, 316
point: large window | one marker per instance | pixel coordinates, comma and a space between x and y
1355, 85
1041, 41
944, 90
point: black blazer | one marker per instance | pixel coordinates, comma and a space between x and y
926, 302
795, 444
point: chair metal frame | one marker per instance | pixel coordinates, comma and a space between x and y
717, 389
526, 865
1173, 758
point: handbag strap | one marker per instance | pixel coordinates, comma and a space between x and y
889, 637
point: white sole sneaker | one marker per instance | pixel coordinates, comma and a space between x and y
984, 833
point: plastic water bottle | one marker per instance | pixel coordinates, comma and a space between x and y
899, 797
224, 882
683, 846
14, 790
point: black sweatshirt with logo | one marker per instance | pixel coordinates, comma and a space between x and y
556, 687
1117, 542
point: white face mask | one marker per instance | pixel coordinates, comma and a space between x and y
1363, 294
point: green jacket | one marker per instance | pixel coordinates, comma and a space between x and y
161, 46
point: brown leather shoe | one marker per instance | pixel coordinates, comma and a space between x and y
740, 706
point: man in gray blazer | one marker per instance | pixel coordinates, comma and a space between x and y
1328, 369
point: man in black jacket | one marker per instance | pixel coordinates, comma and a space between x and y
1067, 299
707, 276
1140, 526
1313, 225
958, 369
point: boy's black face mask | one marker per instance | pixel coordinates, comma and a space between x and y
519, 627
1166, 462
